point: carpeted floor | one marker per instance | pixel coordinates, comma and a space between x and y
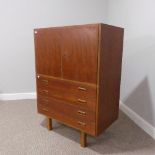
23, 132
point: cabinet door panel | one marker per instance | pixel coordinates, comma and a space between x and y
48, 52
79, 53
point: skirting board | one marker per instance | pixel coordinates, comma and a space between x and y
18, 96
148, 128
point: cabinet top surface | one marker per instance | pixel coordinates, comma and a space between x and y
70, 26
75, 26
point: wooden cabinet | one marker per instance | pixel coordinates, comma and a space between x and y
78, 72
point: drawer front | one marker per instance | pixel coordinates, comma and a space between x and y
75, 93
72, 115
73, 111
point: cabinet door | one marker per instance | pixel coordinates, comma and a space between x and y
48, 53
79, 53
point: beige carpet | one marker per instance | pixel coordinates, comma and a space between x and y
23, 132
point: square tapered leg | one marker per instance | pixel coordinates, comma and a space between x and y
83, 139
49, 123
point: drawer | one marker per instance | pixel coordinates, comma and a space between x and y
68, 114
73, 111
73, 92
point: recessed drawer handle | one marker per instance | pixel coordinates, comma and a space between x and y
45, 109
45, 81
81, 123
45, 91
81, 88
45, 100
82, 113
82, 101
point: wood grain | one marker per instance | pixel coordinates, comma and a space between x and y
49, 123
48, 48
111, 47
69, 116
79, 53
73, 111
83, 139
73, 92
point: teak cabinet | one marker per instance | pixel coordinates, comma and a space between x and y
78, 72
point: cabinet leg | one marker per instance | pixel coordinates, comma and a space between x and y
49, 123
83, 139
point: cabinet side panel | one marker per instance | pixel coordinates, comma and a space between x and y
111, 47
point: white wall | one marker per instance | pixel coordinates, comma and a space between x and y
18, 18
138, 75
